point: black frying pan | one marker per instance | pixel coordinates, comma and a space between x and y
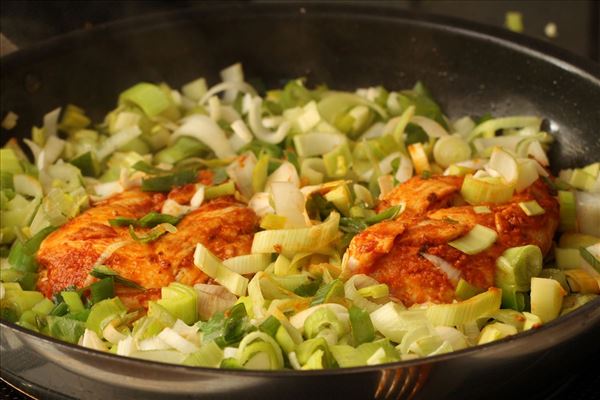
470, 69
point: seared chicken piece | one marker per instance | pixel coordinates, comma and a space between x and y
66, 256
421, 195
223, 225
392, 251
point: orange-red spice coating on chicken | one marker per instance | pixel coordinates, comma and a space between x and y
391, 252
66, 256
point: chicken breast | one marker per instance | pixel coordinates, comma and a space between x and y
66, 256
394, 252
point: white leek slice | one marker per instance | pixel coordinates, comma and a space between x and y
105, 190
198, 197
123, 120
234, 74
505, 164
292, 241
317, 143
153, 343
463, 126
176, 341
457, 314
351, 291
126, 346
213, 299
393, 320
214, 108
431, 127
260, 203
286, 172
450, 150
112, 335
385, 165
340, 312
260, 343
489, 127
51, 152
241, 135
452, 336
117, 140
289, 203
240, 171
212, 266
309, 118
536, 151
363, 195
256, 295
386, 185
509, 143
51, 123
172, 207
588, 212
262, 133
478, 239
207, 131
195, 89
527, 174
224, 86
313, 170
91, 340
248, 264
27, 185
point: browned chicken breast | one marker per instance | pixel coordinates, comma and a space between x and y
66, 257
392, 251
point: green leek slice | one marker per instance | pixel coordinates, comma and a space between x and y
292, 241
518, 265
496, 331
477, 191
531, 208
208, 263
568, 214
478, 239
546, 298
457, 314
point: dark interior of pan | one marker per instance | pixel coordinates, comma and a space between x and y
470, 69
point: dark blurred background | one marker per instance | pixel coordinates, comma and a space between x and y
573, 25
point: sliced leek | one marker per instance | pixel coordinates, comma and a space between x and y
478, 239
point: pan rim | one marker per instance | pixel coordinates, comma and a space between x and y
536, 48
